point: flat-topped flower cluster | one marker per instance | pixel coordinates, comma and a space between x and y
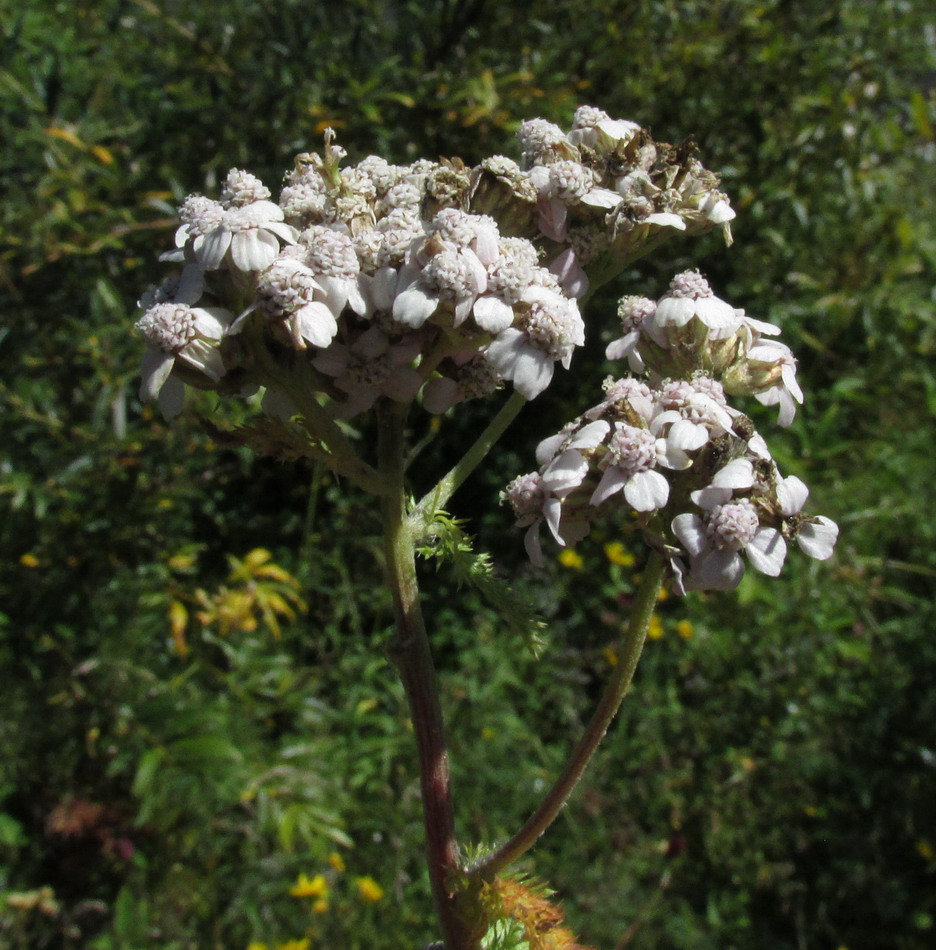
430, 279
437, 283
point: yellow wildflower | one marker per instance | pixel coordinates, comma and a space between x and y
570, 558
310, 887
256, 946
616, 553
302, 944
336, 861
320, 906
29, 560
655, 630
610, 654
662, 594
369, 889
684, 629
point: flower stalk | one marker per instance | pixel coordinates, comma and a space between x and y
411, 654
628, 656
437, 497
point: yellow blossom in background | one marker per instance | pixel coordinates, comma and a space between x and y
310, 887
256, 946
302, 944
925, 849
29, 560
336, 861
616, 553
320, 906
655, 629
684, 629
662, 595
369, 889
610, 654
569, 558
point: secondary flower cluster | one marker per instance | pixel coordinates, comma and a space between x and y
690, 330
390, 281
700, 480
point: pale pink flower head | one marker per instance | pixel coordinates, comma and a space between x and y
176, 332
690, 298
548, 328
714, 543
631, 461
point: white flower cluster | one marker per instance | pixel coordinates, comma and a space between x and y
426, 280
690, 330
699, 479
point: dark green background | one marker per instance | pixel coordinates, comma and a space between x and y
770, 782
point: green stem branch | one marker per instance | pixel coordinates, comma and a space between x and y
437, 497
558, 795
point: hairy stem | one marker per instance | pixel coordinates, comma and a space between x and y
412, 657
628, 655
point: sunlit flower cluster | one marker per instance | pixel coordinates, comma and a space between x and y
687, 467
429, 281
689, 330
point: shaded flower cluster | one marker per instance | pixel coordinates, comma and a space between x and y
380, 281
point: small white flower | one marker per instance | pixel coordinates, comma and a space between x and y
778, 360
177, 332
244, 229
713, 544
630, 463
332, 257
286, 293
454, 275
690, 297
549, 328
632, 312
815, 536
597, 130
248, 237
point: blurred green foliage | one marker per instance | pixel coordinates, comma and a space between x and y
170, 765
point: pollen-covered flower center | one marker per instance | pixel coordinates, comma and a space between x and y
241, 188
285, 287
732, 526
330, 253
690, 283
526, 495
571, 181
548, 328
169, 326
449, 273
632, 311
631, 449
201, 214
